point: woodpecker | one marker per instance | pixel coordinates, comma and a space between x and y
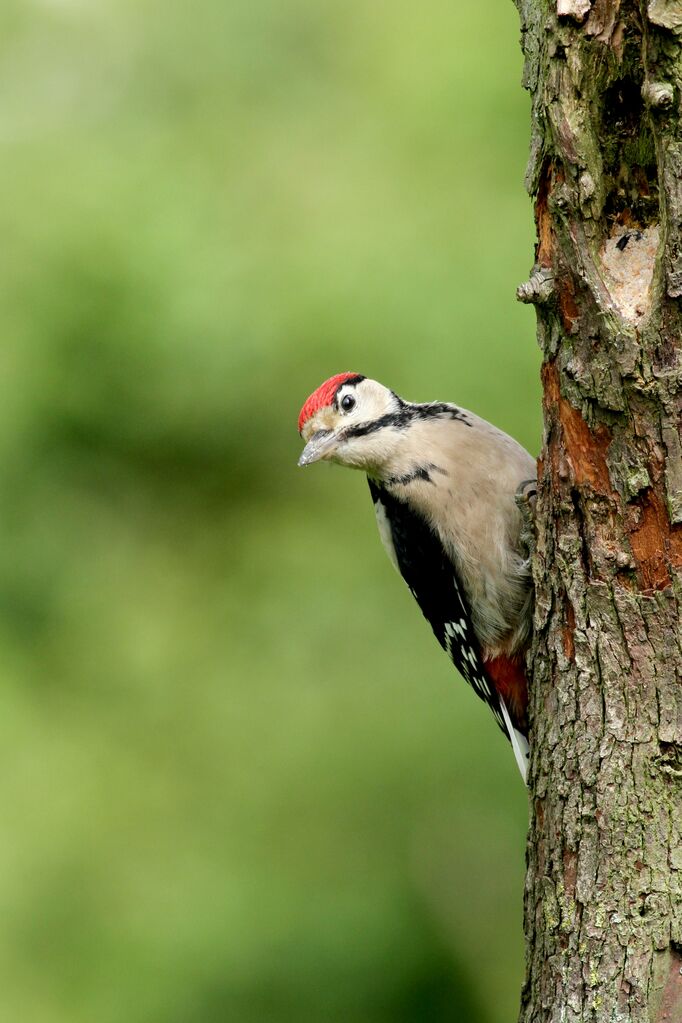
447, 488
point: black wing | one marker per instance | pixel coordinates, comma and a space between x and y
433, 582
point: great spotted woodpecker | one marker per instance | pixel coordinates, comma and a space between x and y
445, 485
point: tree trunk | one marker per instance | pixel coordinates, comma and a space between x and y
603, 904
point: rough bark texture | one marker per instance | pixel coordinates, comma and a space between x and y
603, 907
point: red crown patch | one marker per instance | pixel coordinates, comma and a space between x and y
323, 396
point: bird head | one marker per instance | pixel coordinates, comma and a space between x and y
345, 421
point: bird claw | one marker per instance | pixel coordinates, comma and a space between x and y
526, 497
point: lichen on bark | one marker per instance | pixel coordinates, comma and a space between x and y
603, 902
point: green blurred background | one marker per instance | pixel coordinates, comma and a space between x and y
240, 781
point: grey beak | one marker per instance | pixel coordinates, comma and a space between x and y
319, 445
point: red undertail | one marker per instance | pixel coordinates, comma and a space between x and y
509, 678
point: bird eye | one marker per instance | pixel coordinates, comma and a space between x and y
347, 402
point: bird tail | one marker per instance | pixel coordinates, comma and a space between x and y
519, 742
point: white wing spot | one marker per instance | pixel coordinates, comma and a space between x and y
449, 636
483, 685
453, 629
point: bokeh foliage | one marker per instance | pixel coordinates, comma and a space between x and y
240, 781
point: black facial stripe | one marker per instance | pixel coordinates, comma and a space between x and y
438, 410
421, 473
350, 382
406, 415
363, 429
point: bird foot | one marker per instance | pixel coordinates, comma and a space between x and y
526, 497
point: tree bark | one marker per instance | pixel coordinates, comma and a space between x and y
603, 901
